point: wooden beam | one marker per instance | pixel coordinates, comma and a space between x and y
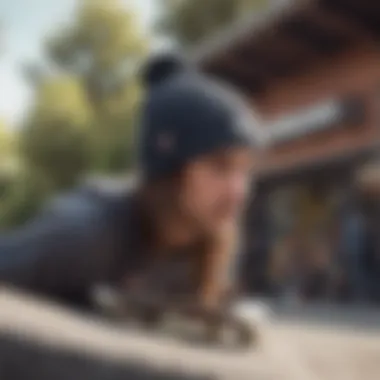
365, 15
289, 55
248, 84
336, 24
319, 38
229, 66
251, 24
276, 55
245, 62
370, 5
249, 62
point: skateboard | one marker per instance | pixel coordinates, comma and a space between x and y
151, 314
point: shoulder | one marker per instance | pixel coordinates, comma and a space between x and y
92, 203
110, 186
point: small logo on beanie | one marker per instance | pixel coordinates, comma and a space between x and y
165, 142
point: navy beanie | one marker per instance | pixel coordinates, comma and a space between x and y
187, 114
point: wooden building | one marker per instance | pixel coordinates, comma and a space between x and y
311, 69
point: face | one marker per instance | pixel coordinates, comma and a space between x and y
215, 187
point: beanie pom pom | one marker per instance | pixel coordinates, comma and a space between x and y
162, 67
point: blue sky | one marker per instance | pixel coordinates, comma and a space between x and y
25, 23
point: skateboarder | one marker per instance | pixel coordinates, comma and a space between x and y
197, 145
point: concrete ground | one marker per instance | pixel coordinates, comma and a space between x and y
331, 354
296, 343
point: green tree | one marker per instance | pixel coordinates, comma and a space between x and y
101, 48
54, 140
85, 99
9, 162
18, 193
191, 21
7, 143
22, 198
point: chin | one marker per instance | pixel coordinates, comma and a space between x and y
224, 222
211, 225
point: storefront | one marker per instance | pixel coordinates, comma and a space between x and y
368, 177
312, 72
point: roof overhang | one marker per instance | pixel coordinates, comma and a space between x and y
287, 38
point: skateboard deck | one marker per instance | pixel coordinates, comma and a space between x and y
223, 328
37, 323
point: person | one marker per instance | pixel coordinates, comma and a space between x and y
198, 142
317, 275
372, 258
352, 247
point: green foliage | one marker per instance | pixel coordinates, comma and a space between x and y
103, 47
112, 137
9, 163
8, 145
55, 139
20, 192
191, 21
86, 96
21, 198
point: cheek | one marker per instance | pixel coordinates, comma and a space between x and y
240, 188
233, 189
203, 193
210, 194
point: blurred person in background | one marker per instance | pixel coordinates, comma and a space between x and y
353, 237
336, 289
372, 257
198, 143
318, 270
286, 268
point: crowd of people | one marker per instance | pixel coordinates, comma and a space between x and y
339, 263
344, 265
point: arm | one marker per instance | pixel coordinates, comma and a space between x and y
217, 267
56, 254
